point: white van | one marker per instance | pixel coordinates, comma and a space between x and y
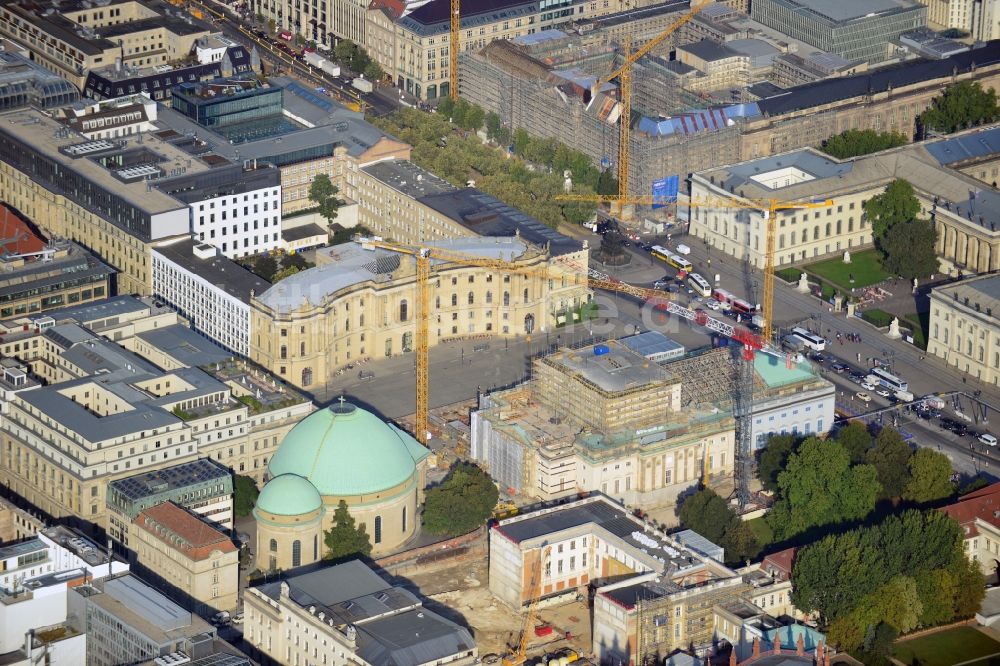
683, 249
988, 439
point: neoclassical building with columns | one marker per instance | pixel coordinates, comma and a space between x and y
954, 177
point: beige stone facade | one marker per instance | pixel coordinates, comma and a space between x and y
66, 45
17, 524
63, 466
197, 560
721, 67
964, 328
303, 332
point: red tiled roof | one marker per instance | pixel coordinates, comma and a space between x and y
983, 504
21, 238
394, 8
183, 531
782, 561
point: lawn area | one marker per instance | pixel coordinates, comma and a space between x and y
919, 322
947, 647
864, 267
761, 530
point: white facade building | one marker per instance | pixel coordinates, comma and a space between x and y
211, 291
236, 208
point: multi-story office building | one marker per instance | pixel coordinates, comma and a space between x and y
26, 83
62, 273
201, 486
359, 303
72, 37
128, 622
197, 561
223, 102
312, 135
853, 29
235, 208
964, 326
108, 413
350, 615
979, 18
595, 543
212, 292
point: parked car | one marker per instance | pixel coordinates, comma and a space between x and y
238, 618
662, 284
683, 249
987, 439
884, 393
221, 619
925, 414
868, 386
863, 397
839, 367
948, 424
961, 429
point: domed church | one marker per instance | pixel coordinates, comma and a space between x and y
338, 453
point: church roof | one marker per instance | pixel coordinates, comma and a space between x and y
346, 451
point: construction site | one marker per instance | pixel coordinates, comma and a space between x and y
604, 417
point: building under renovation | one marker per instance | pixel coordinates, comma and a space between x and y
605, 417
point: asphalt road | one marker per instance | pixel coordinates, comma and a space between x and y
380, 102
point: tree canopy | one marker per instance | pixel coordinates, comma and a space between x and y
245, 494
462, 502
855, 142
819, 487
891, 459
908, 249
265, 266
346, 540
711, 516
930, 477
897, 203
324, 193
962, 105
439, 147
856, 440
773, 458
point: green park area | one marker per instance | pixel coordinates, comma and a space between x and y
864, 266
953, 646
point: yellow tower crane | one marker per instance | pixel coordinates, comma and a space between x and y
769, 208
624, 76
570, 275
519, 650
453, 46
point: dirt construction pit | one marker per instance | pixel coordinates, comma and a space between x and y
462, 594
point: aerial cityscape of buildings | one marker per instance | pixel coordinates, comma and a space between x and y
409, 332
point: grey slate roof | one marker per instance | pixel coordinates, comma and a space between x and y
879, 80
353, 265
414, 637
185, 345
981, 143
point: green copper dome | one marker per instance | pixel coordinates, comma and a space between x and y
343, 450
289, 495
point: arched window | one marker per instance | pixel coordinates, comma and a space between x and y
296, 553
840, 226
506, 298
850, 224
816, 233
827, 229
404, 520
525, 294
529, 323
284, 352
454, 299
302, 349
472, 298
274, 545
307, 376
378, 529
489, 297
408, 341
403, 310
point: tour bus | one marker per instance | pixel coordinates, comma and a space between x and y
722, 296
810, 340
742, 307
700, 285
891, 382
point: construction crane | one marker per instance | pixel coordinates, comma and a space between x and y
624, 76
519, 650
454, 37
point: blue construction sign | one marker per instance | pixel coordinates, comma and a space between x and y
665, 191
